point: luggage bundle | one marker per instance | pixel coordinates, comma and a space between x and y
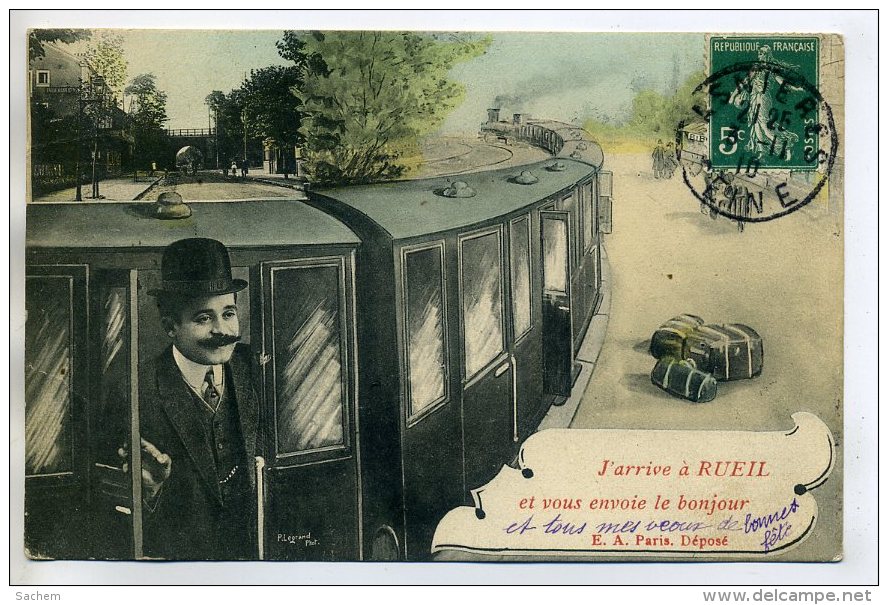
729, 351
669, 339
682, 378
702, 355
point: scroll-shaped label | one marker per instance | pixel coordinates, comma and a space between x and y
650, 493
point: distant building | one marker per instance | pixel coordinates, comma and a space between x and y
65, 98
55, 80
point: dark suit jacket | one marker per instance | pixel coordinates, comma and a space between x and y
184, 522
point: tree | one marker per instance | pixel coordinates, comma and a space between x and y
38, 37
654, 113
148, 118
368, 96
270, 108
680, 108
104, 55
215, 100
647, 111
229, 113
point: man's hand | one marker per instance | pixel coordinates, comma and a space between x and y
156, 468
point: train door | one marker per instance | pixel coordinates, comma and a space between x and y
114, 421
606, 200
80, 501
488, 382
432, 434
310, 508
577, 299
590, 269
557, 320
56, 393
526, 354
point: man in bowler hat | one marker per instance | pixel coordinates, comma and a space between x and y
199, 414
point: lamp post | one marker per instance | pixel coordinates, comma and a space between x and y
97, 84
87, 97
216, 115
244, 120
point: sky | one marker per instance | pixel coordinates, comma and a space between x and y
563, 76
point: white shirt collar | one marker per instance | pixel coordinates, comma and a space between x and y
195, 373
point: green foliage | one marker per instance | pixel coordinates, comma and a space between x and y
104, 55
265, 106
148, 118
38, 37
149, 102
657, 114
368, 96
52, 136
654, 116
228, 113
270, 109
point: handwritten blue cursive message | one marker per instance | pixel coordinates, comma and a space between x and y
777, 529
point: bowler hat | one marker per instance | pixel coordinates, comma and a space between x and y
196, 267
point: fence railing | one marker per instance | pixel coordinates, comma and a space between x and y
191, 132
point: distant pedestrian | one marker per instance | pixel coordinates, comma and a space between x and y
670, 162
244, 169
234, 169
659, 160
225, 170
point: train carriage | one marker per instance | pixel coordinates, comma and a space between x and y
457, 284
90, 325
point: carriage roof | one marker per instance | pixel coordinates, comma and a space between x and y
413, 208
697, 128
240, 223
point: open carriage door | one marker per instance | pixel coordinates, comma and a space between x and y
79, 399
56, 394
606, 201
557, 326
311, 483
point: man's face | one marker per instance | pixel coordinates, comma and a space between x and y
207, 329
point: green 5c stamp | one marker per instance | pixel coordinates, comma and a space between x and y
762, 113
772, 139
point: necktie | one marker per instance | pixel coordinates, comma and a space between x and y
211, 393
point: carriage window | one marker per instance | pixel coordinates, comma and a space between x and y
569, 204
426, 349
519, 238
114, 367
115, 322
308, 361
555, 270
606, 183
48, 361
482, 305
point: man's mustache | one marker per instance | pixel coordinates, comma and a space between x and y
220, 340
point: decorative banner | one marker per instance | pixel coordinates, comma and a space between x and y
717, 494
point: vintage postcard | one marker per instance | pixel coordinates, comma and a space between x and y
434, 296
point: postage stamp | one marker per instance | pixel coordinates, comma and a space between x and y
772, 138
764, 102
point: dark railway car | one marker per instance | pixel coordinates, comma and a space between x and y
466, 291
90, 325
443, 316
